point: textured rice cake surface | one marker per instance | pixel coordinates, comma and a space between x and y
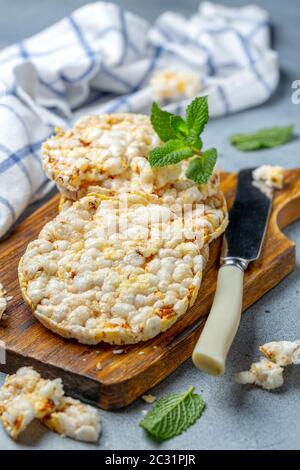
272, 176
179, 191
282, 353
264, 373
75, 420
108, 151
82, 280
25, 396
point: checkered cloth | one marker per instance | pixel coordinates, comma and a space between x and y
100, 59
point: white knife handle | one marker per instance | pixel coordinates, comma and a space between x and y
221, 326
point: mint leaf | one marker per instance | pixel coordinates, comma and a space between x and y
195, 142
179, 127
182, 140
170, 153
264, 138
197, 115
173, 414
160, 121
201, 168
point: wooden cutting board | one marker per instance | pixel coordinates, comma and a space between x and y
124, 377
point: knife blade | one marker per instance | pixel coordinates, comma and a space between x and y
248, 220
242, 243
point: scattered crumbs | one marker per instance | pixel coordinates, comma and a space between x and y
99, 366
154, 347
3, 305
148, 398
271, 176
118, 351
141, 352
282, 353
26, 396
263, 373
10, 297
2, 290
84, 359
3, 300
144, 412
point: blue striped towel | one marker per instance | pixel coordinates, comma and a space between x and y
100, 59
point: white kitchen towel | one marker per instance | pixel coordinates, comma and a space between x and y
100, 59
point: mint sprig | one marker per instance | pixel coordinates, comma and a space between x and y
173, 414
181, 140
264, 138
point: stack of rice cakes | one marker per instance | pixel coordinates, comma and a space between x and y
121, 262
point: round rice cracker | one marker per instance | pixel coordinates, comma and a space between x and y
82, 285
108, 151
108, 154
180, 191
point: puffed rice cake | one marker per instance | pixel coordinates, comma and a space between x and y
180, 191
85, 282
75, 420
107, 152
25, 396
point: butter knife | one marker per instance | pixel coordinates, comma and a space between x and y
242, 243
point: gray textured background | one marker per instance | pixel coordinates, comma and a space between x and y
235, 417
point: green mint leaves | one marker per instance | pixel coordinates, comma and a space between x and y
161, 123
170, 153
173, 414
264, 138
200, 169
197, 115
182, 140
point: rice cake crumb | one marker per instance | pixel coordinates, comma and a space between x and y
3, 300
118, 351
264, 373
75, 420
148, 398
25, 395
282, 353
272, 176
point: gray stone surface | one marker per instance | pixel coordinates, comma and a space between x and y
236, 417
